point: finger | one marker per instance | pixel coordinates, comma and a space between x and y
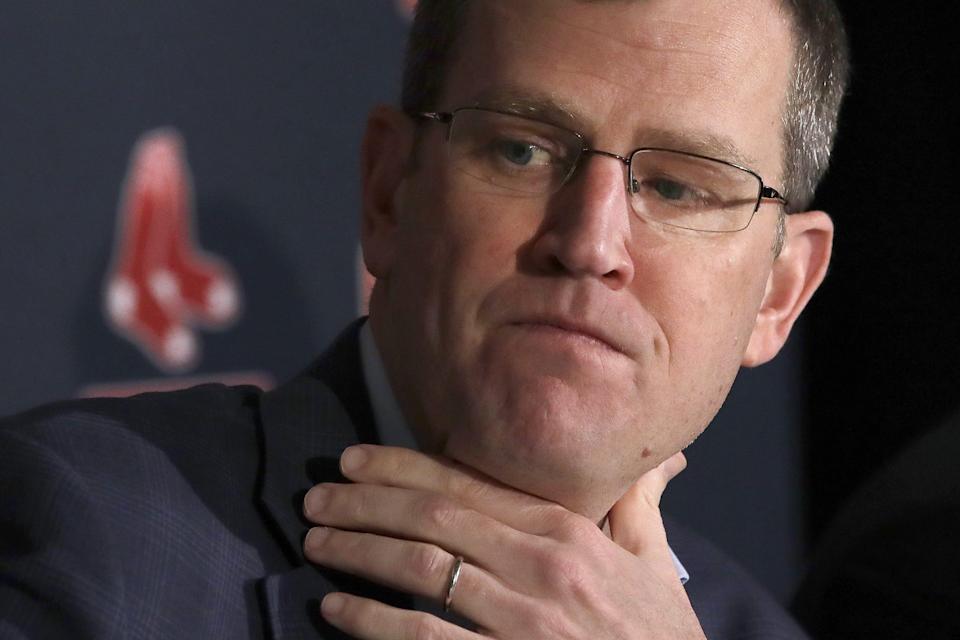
424, 517
674, 466
367, 619
413, 567
652, 484
398, 467
635, 521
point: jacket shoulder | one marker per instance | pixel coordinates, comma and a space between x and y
169, 448
116, 512
729, 603
175, 421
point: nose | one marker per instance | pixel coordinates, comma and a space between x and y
586, 232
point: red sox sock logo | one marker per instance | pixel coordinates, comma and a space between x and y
161, 285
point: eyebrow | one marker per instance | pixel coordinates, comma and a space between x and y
548, 109
540, 106
704, 143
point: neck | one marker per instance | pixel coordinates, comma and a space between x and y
402, 384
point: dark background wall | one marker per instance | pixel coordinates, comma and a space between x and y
882, 358
270, 101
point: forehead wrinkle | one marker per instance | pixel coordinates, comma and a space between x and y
664, 35
669, 78
657, 34
682, 57
669, 39
675, 71
715, 41
686, 58
680, 81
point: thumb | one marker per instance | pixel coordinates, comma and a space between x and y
635, 522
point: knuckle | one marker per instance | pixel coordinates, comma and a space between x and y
348, 544
355, 501
567, 575
352, 610
652, 501
467, 487
555, 517
437, 512
427, 562
391, 461
572, 528
581, 531
426, 627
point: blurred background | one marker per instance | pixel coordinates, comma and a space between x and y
178, 203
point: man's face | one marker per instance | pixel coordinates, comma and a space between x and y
488, 301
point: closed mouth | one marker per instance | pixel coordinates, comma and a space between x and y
577, 329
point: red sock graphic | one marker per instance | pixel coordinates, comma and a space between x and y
205, 285
160, 281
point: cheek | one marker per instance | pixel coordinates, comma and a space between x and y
477, 241
705, 299
706, 324
484, 235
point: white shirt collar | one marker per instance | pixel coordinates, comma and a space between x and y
390, 423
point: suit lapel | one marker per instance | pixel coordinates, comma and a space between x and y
307, 423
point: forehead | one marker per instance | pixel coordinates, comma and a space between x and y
699, 69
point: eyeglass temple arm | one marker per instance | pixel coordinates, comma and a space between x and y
439, 116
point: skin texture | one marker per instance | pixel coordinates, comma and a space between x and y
555, 354
470, 282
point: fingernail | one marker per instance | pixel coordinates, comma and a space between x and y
332, 604
315, 500
352, 459
315, 537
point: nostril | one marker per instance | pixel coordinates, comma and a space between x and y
556, 264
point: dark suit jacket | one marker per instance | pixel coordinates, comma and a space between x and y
179, 515
889, 565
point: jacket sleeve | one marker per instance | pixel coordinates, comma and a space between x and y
58, 578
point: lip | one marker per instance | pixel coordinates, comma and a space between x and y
585, 330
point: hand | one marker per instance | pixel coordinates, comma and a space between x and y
532, 569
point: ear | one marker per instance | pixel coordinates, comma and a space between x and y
385, 154
796, 274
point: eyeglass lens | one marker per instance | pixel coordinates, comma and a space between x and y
523, 157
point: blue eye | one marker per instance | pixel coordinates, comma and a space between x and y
517, 152
671, 190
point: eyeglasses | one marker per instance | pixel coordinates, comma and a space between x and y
521, 156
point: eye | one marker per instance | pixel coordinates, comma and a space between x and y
673, 193
522, 153
671, 190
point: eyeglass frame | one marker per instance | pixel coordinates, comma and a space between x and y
764, 193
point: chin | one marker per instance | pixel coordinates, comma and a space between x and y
550, 444
535, 477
